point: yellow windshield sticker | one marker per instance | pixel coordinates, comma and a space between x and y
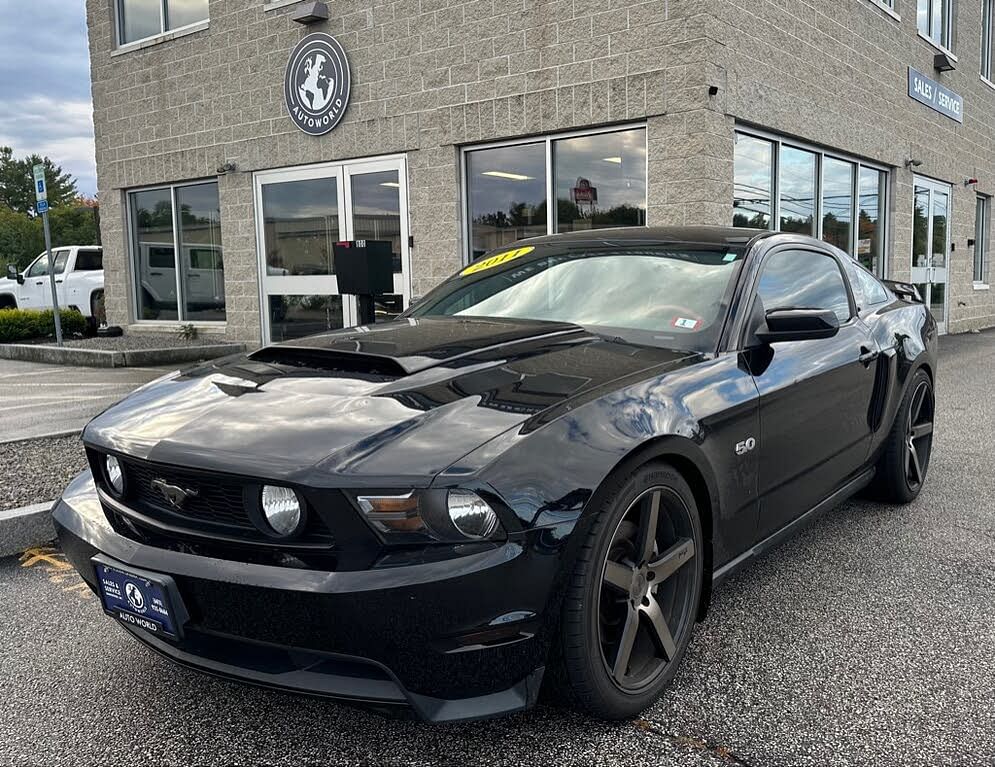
496, 260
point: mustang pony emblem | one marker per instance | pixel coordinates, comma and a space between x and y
174, 494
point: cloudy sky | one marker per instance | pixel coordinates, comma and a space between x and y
45, 84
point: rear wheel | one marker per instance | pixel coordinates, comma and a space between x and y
903, 466
633, 599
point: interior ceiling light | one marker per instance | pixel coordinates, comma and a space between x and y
616, 160
506, 175
389, 184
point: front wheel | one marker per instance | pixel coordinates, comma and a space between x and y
903, 465
632, 602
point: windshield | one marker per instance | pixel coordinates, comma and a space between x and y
668, 296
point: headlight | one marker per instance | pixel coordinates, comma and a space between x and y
282, 509
431, 515
472, 516
114, 474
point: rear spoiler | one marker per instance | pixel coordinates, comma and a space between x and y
904, 290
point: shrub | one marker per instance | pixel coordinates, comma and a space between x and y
21, 324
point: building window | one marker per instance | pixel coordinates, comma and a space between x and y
779, 184
981, 234
556, 184
184, 220
141, 19
987, 37
935, 21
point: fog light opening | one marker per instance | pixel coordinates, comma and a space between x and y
282, 509
114, 474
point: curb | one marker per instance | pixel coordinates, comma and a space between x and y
25, 527
43, 436
104, 358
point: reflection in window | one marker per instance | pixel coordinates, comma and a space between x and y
870, 233
507, 195
920, 228
376, 210
837, 203
981, 233
152, 254
139, 19
803, 280
799, 184
300, 226
754, 168
292, 317
600, 181
933, 18
797, 191
202, 265
154, 246
987, 37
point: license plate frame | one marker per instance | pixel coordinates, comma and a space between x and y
151, 604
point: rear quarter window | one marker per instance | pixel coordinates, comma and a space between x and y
89, 261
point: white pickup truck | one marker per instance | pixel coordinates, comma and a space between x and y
79, 282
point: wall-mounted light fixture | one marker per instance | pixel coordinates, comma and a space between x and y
312, 12
943, 63
911, 162
970, 182
226, 167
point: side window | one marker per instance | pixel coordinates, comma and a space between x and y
803, 280
874, 293
161, 258
89, 261
61, 257
39, 268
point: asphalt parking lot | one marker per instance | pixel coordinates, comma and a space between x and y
38, 399
869, 638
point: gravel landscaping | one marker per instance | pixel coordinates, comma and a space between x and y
32, 471
136, 341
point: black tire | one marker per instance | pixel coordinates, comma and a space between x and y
598, 612
904, 463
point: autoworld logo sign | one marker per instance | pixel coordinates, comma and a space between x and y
316, 84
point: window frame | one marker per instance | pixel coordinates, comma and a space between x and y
949, 38
160, 36
982, 237
547, 139
884, 208
133, 276
987, 66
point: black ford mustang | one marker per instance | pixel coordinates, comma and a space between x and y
534, 476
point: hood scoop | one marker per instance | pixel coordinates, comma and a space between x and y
331, 360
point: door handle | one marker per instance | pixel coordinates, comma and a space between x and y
155, 274
40, 282
868, 356
59, 282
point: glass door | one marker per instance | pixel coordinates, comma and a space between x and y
300, 214
931, 245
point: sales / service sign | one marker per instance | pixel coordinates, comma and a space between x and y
935, 96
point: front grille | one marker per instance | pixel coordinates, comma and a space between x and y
218, 501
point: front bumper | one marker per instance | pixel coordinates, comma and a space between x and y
457, 639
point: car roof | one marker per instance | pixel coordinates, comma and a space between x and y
724, 236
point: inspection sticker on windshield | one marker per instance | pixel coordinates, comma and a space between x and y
686, 323
497, 260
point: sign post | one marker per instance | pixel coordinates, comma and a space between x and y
41, 206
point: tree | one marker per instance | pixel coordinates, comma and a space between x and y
17, 191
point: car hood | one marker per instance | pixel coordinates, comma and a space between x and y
400, 401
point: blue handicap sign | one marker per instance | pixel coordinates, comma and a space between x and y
42, 206
41, 186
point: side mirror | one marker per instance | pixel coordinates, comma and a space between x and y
13, 274
798, 325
